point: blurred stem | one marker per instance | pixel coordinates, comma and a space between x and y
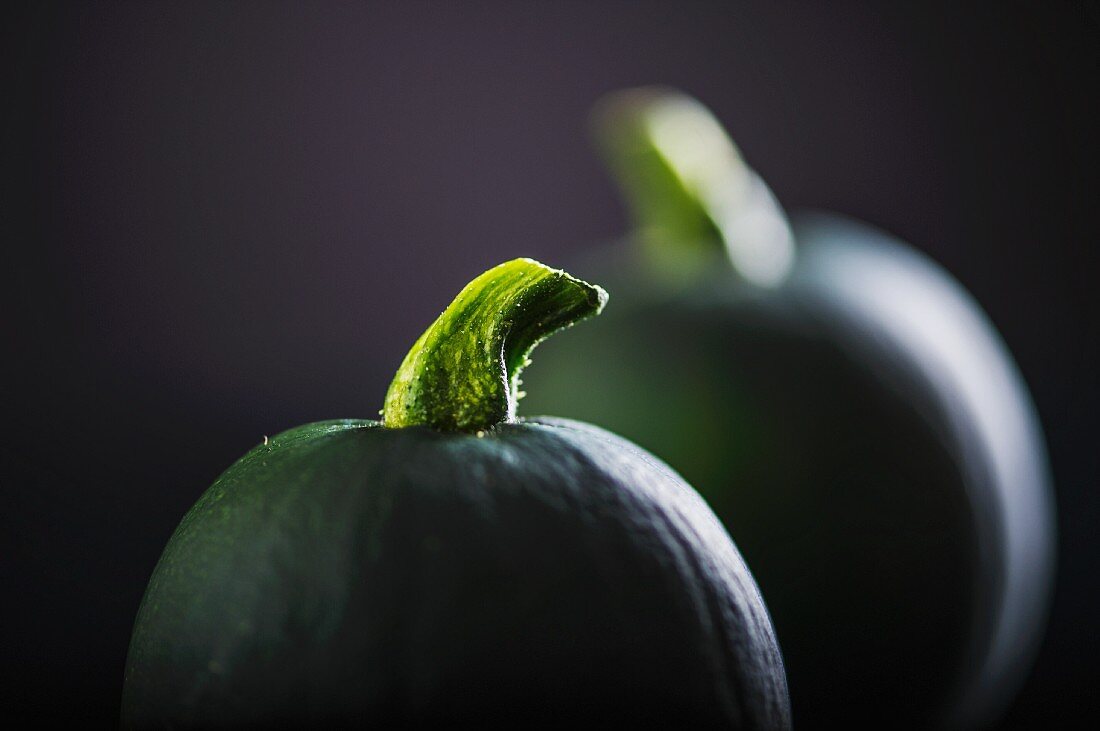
691, 195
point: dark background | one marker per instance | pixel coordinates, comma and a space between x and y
223, 220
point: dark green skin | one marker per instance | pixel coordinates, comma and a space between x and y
544, 572
858, 484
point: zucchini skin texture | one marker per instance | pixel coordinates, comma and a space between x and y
545, 572
867, 440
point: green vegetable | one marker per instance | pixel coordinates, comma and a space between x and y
845, 408
455, 564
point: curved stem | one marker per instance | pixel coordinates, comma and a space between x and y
463, 372
688, 188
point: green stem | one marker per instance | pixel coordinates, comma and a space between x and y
689, 190
463, 372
